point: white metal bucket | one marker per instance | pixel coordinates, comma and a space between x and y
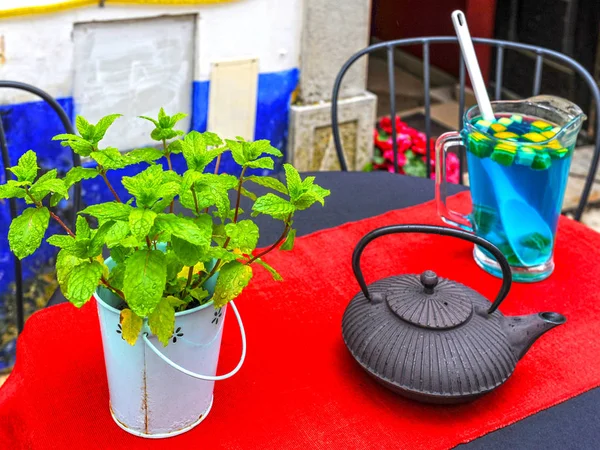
156, 391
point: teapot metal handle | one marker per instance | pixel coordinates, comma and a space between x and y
434, 229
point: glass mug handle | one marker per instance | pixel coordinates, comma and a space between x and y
443, 143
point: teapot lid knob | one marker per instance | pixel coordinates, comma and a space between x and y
429, 280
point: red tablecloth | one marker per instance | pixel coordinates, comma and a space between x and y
300, 388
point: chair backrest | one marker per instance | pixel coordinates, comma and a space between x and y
426, 42
66, 122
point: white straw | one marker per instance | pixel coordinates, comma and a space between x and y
466, 46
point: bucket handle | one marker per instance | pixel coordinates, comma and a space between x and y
205, 377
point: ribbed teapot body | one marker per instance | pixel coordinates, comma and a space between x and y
440, 348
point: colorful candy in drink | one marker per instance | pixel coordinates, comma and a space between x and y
529, 154
521, 140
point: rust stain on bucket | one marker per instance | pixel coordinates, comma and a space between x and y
145, 402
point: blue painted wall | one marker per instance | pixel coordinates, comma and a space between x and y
32, 125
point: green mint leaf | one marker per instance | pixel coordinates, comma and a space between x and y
76, 174
65, 262
187, 253
147, 155
169, 192
233, 278
83, 281
194, 148
221, 182
242, 235
237, 151
176, 302
270, 269
27, 167
219, 234
82, 148
50, 175
145, 280
42, 188
162, 321
199, 294
99, 239
69, 245
141, 221
246, 193
131, 326
273, 206
150, 119
103, 125
211, 190
132, 242
293, 180
27, 230
195, 232
314, 194
116, 233
176, 118
12, 189
212, 139
220, 253
259, 147
175, 147
170, 176
289, 240
55, 199
146, 186
268, 182
163, 119
85, 129
82, 228
117, 276
61, 241
120, 254
174, 265
68, 137
111, 158
108, 211
159, 134
261, 163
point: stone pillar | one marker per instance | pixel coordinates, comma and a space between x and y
333, 31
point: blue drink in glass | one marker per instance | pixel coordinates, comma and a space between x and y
518, 168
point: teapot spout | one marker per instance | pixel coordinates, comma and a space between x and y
523, 331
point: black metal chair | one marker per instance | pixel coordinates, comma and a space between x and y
426, 43
66, 122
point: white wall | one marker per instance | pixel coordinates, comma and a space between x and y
39, 48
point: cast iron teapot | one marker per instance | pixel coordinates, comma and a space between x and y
433, 339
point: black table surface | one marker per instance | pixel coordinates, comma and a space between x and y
574, 424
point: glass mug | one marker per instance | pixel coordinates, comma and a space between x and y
518, 168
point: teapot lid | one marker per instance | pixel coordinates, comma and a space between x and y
430, 302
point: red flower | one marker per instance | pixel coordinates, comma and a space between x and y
384, 145
408, 138
386, 124
389, 156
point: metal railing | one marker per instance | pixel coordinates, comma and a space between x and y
426, 42
66, 122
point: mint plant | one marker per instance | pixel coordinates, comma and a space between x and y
162, 260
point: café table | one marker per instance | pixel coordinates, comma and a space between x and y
355, 196
574, 424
